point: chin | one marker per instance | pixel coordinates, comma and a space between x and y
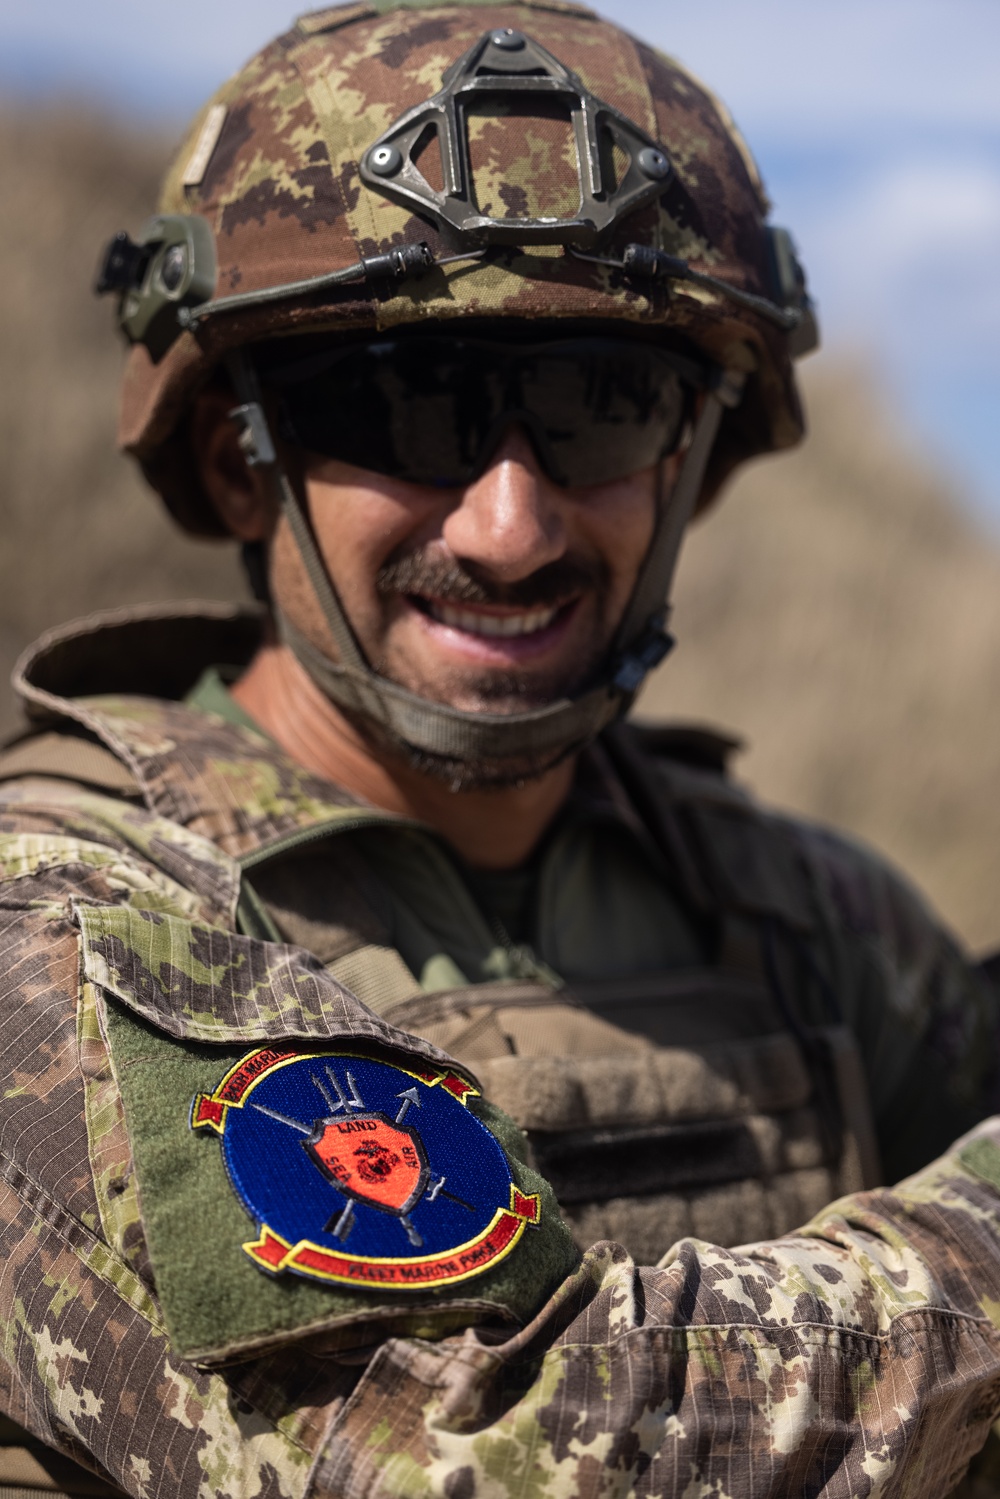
480, 773
504, 693
486, 773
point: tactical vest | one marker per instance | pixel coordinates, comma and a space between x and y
695, 1102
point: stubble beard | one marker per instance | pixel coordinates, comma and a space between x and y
509, 693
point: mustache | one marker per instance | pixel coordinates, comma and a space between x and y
453, 582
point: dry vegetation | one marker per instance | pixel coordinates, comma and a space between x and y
840, 609
80, 531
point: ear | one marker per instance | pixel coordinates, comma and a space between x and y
240, 494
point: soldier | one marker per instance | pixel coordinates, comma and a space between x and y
454, 315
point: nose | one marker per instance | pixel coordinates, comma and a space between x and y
511, 520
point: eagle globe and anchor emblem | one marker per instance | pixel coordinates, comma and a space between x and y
358, 1171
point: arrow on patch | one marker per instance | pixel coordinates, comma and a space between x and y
409, 1095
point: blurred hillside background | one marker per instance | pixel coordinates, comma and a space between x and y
841, 609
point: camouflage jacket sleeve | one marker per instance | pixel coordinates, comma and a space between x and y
862, 1355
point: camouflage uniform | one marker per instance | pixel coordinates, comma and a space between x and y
864, 1354
169, 943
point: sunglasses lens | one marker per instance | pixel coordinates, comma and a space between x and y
431, 410
399, 408
607, 408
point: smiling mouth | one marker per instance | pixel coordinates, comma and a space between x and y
484, 622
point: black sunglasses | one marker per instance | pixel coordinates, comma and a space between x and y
432, 409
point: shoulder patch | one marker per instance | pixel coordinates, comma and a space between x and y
201, 1192
357, 1171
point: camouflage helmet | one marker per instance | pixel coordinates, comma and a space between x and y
395, 162
272, 183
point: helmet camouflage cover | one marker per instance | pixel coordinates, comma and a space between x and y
274, 165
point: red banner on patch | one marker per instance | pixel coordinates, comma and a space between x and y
209, 1109
459, 1087
272, 1252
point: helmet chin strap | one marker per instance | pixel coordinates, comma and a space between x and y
544, 734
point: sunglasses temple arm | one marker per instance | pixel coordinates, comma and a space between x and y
643, 638
259, 450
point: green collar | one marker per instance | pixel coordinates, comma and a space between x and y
211, 694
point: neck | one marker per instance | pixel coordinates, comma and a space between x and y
489, 829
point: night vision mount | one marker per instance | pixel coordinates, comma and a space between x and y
508, 69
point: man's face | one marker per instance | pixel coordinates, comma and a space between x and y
499, 596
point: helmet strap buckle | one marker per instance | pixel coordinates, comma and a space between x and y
255, 440
652, 647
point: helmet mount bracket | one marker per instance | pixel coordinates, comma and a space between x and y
510, 70
171, 268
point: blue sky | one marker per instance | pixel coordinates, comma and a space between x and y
876, 124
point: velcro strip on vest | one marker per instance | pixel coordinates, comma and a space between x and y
69, 757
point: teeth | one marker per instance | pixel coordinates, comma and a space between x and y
492, 624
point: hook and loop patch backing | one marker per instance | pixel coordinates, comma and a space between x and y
181, 1216
359, 1172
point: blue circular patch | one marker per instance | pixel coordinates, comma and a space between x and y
357, 1171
